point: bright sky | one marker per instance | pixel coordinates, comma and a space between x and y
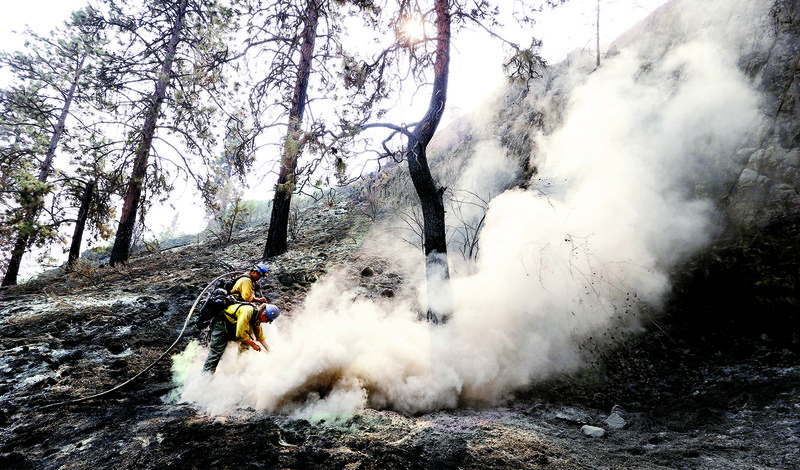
40, 15
475, 69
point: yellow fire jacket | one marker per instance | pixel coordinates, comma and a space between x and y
240, 316
244, 289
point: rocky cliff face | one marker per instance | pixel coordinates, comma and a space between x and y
754, 179
768, 187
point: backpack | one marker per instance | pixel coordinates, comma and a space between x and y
218, 299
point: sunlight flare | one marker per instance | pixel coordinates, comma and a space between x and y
413, 30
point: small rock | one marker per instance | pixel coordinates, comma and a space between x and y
367, 272
572, 415
53, 363
115, 348
72, 356
615, 421
593, 431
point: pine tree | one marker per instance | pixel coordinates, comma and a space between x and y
122, 242
176, 47
293, 143
302, 43
50, 81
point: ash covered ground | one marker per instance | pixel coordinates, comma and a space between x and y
711, 384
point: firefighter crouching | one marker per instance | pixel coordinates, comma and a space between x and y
241, 321
243, 324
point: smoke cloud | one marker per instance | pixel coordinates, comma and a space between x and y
608, 214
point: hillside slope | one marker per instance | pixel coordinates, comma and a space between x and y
696, 394
707, 377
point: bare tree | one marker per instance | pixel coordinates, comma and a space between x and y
597, 31
522, 65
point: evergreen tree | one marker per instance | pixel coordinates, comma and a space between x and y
295, 46
50, 80
88, 191
177, 47
287, 179
122, 242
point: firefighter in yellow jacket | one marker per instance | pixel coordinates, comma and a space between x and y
242, 321
243, 324
245, 288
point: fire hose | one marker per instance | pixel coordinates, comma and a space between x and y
162, 356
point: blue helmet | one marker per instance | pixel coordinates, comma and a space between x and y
261, 269
272, 312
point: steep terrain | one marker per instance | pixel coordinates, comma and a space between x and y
707, 379
695, 392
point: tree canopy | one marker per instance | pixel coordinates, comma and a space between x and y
162, 90
46, 108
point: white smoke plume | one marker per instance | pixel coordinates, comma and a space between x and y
596, 234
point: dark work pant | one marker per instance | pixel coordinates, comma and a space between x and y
219, 341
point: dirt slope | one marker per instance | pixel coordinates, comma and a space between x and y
694, 393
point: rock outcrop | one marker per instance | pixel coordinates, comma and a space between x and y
756, 180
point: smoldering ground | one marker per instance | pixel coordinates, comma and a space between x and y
614, 206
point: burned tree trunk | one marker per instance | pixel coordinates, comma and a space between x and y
80, 225
20, 246
430, 196
293, 145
